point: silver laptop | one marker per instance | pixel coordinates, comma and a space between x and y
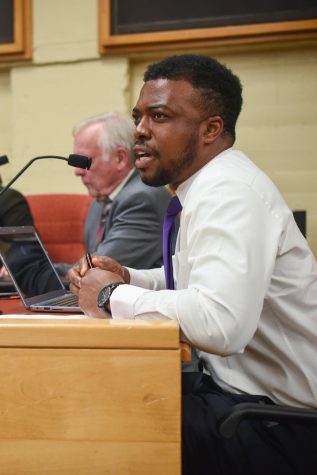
33, 273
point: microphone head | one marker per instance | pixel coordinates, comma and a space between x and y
4, 159
79, 161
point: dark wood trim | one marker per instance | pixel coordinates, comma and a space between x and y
199, 37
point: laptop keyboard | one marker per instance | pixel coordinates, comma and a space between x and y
67, 301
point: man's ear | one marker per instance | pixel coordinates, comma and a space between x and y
213, 128
122, 158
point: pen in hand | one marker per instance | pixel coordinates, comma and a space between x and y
89, 260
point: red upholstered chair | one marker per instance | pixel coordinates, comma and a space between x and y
59, 220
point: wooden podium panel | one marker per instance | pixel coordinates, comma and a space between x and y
89, 396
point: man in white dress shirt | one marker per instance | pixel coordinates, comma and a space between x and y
245, 278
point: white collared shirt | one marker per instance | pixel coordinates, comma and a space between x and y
246, 284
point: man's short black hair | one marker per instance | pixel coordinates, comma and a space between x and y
221, 90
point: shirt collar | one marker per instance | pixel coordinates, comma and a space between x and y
117, 190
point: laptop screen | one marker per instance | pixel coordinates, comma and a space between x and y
27, 261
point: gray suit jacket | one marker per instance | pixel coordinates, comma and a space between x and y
133, 230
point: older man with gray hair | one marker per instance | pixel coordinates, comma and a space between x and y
125, 218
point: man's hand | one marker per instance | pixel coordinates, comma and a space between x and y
4, 274
91, 284
76, 273
106, 263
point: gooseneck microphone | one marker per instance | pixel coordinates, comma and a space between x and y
78, 161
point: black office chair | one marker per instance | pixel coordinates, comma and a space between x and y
230, 422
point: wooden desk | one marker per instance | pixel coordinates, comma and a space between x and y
89, 396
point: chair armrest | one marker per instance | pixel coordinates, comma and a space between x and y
229, 424
186, 351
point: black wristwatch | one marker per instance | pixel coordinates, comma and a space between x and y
105, 294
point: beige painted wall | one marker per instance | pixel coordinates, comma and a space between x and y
43, 99
67, 81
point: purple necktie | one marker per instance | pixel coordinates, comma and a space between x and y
168, 231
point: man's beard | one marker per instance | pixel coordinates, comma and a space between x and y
171, 175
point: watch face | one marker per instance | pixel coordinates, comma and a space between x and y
104, 296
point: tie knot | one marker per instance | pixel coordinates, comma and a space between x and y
107, 200
106, 209
174, 207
